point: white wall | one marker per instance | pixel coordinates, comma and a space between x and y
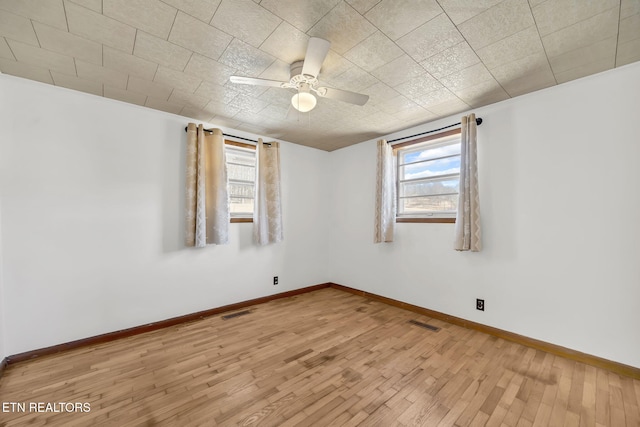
560, 206
92, 221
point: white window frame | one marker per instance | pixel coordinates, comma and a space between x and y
231, 146
434, 142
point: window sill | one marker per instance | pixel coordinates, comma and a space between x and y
428, 220
241, 220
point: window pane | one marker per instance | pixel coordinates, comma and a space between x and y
242, 157
417, 205
242, 173
431, 151
242, 190
429, 187
430, 168
240, 205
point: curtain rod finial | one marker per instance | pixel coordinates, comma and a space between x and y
479, 121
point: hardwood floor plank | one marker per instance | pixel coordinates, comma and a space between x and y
323, 358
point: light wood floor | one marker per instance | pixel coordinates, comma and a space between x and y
317, 359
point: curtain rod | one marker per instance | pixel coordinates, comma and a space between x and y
231, 136
478, 122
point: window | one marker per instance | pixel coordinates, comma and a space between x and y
241, 174
428, 178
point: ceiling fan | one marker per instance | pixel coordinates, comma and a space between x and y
304, 78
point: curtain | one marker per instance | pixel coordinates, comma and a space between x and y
467, 230
385, 215
207, 197
267, 209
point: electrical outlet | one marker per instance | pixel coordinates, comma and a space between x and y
480, 304
275, 280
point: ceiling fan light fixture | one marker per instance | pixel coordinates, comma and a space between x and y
304, 100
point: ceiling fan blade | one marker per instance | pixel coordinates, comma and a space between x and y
317, 50
256, 82
343, 95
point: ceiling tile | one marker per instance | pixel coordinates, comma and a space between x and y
496, 23
584, 70
628, 52
380, 92
373, 52
602, 50
186, 98
163, 105
278, 96
484, 93
114, 78
157, 90
302, 14
75, 83
161, 51
363, 6
95, 5
220, 120
399, 71
343, 27
249, 90
68, 44
398, 104
278, 70
177, 79
198, 36
334, 65
208, 69
530, 82
450, 60
17, 28
274, 112
222, 94
201, 9
245, 58
521, 67
120, 61
467, 77
99, 28
42, 58
27, 71
50, 12
396, 18
354, 79
509, 49
629, 8
220, 109
629, 28
245, 20
552, 16
430, 38
5, 51
415, 116
196, 113
582, 34
151, 16
418, 89
286, 43
448, 108
463, 10
248, 103
124, 95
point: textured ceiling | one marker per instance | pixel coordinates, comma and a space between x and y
418, 60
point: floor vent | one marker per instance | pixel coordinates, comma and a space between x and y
237, 314
424, 325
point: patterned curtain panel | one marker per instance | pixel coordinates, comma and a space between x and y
385, 215
467, 230
267, 215
207, 209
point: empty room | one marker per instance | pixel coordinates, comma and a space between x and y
319, 212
